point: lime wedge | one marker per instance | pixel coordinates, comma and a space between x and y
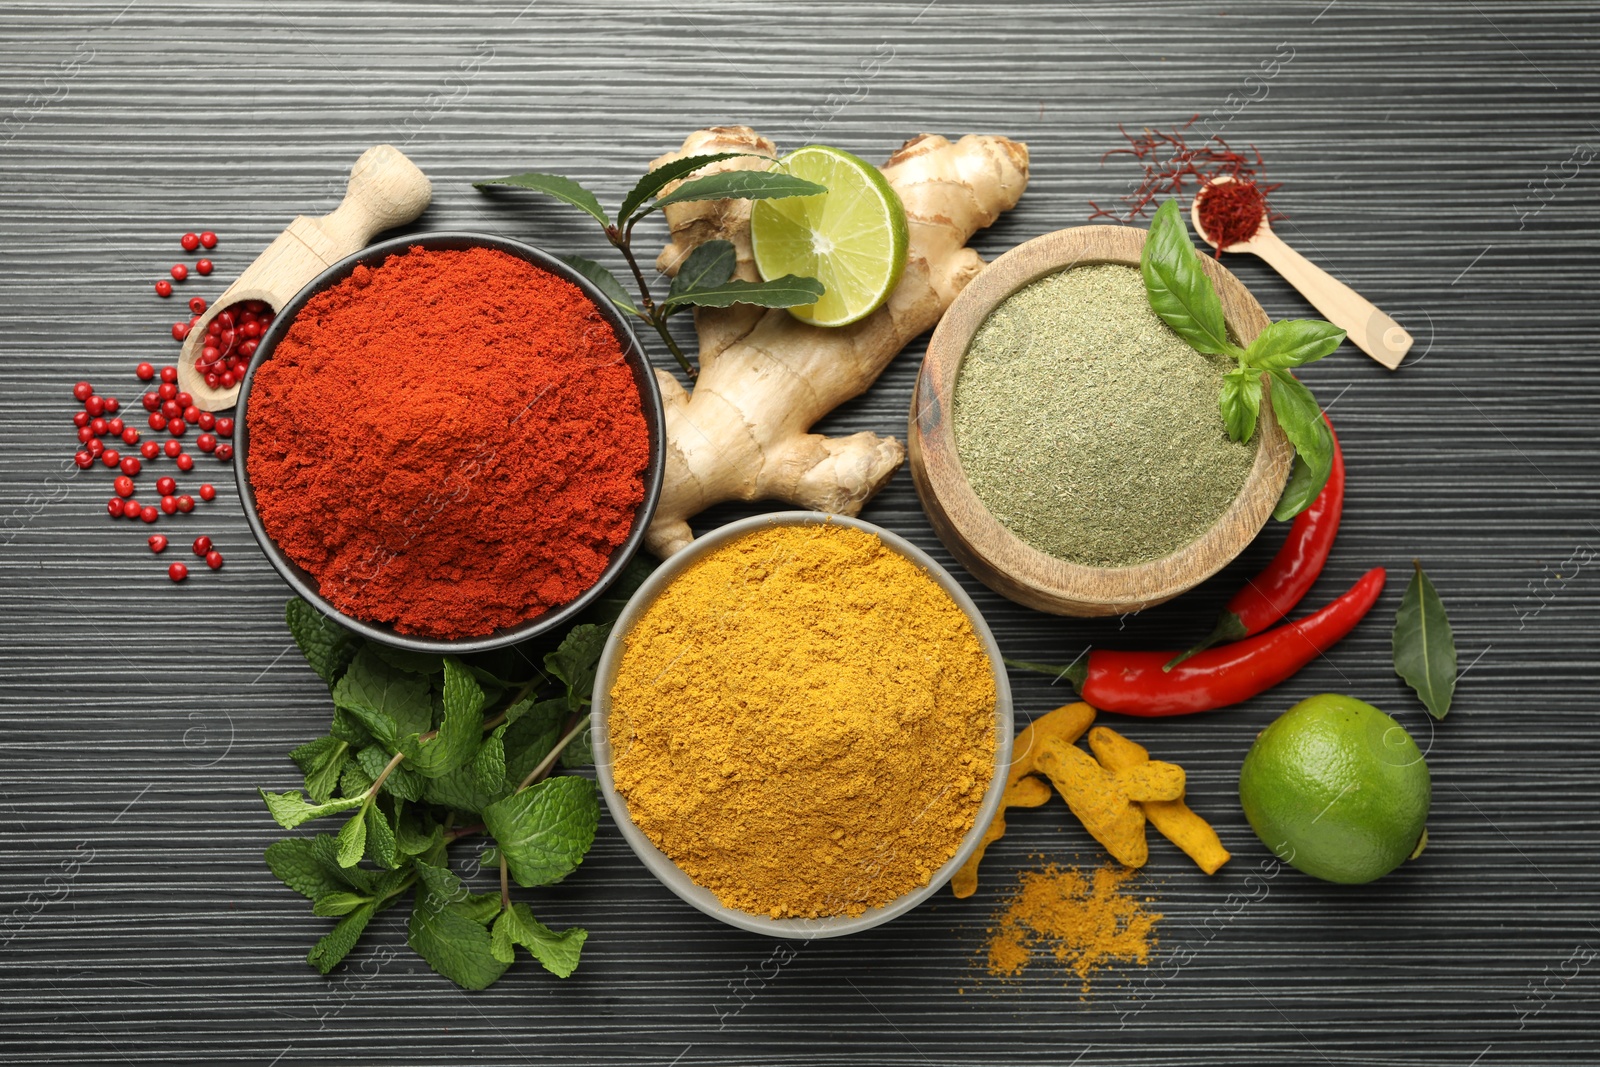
852, 238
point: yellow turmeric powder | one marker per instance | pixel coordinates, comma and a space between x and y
804, 722
1087, 922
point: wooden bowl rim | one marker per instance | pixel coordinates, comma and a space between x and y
1057, 584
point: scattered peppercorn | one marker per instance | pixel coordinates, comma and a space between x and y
158, 543
203, 266
177, 572
208, 239
164, 288
214, 560
202, 545
179, 272
184, 461
189, 241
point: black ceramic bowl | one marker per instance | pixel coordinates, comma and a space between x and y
643, 376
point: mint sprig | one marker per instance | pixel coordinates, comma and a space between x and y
425, 751
705, 278
1182, 294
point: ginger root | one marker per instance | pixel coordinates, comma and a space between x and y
765, 377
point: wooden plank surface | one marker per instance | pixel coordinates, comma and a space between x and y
1439, 157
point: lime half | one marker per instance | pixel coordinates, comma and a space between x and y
852, 238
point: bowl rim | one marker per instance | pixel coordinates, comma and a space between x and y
985, 545
660, 864
650, 403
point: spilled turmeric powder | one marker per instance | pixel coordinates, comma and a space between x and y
1086, 923
804, 721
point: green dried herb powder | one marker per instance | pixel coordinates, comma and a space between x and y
1089, 428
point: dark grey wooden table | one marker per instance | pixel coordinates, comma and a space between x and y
1438, 156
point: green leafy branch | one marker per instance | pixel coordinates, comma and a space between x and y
705, 279
424, 751
1182, 294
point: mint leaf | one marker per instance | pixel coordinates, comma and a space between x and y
659, 178
337, 943
742, 185
1292, 343
380, 838
563, 189
529, 739
332, 905
545, 830
453, 942
575, 659
711, 263
390, 703
327, 646
489, 765
785, 292
1424, 645
405, 659
517, 926
460, 730
402, 781
352, 840
410, 840
346, 727
1177, 285
298, 864
353, 781
481, 908
1241, 402
459, 791
604, 280
579, 751
442, 882
291, 809
321, 761
1301, 418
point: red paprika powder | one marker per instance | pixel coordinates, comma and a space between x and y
450, 443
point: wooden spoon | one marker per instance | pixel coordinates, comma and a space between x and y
386, 189
1369, 329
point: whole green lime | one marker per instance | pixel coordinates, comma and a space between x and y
1337, 789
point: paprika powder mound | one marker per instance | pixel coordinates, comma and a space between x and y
450, 443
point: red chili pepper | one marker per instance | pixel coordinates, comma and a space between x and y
1134, 683
1273, 593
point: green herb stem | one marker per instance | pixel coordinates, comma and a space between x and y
554, 754
623, 241
505, 884
377, 783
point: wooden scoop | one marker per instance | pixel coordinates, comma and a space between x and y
1369, 329
386, 189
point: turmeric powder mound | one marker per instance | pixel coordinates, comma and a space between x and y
1085, 923
804, 722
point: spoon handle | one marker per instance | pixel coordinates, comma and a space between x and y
1370, 330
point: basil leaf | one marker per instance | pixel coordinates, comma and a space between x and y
604, 280
664, 175
1300, 416
1177, 286
563, 189
1424, 646
1292, 343
741, 185
1241, 402
708, 265
785, 292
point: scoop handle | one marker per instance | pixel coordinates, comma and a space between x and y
386, 190
1369, 329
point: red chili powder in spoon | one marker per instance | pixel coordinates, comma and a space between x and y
450, 442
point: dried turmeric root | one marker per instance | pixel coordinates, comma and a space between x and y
766, 377
1023, 788
1172, 817
1103, 801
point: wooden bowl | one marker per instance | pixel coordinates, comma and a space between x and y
986, 547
